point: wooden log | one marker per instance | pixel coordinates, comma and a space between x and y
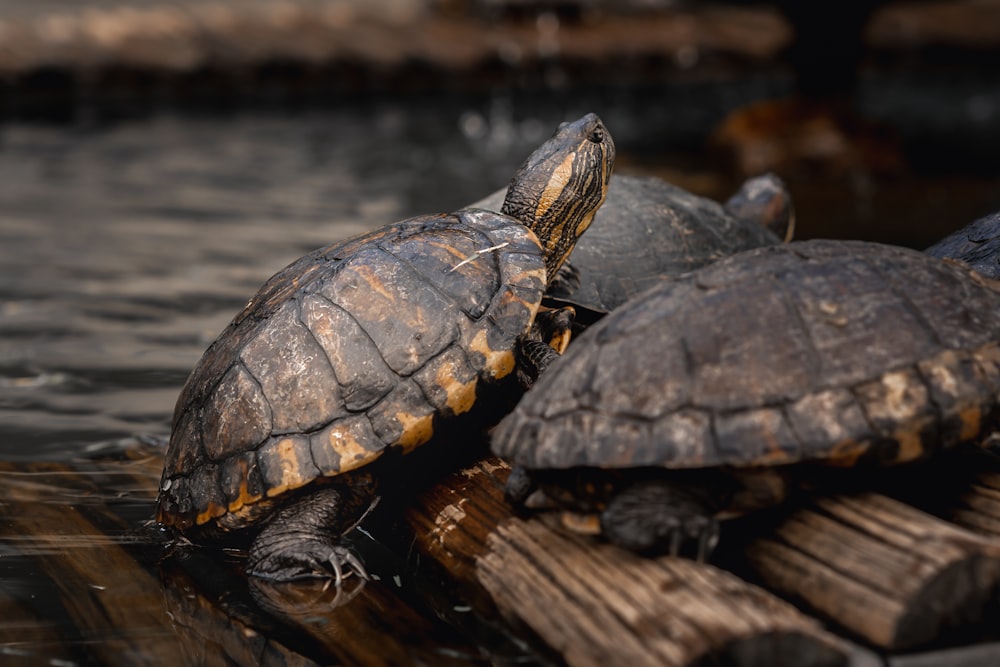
113, 602
593, 604
26, 636
78, 526
885, 571
971, 496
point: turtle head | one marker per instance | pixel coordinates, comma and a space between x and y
559, 188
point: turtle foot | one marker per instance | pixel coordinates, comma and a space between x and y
306, 560
519, 486
655, 517
302, 539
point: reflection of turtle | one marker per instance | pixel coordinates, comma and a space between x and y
977, 244
648, 229
359, 347
695, 398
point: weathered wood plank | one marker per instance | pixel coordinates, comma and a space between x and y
892, 574
128, 609
110, 597
27, 638
593, 604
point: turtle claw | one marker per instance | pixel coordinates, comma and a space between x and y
708, 538
309, 561
341, 556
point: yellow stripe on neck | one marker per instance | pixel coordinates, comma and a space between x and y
561, 176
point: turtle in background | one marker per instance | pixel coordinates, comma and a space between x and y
977, 244
710, 394
649, 229
361, 348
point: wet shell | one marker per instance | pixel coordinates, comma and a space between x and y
355, 348
837, 352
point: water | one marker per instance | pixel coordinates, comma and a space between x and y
124, 250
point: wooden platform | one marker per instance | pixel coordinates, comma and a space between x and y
859, 579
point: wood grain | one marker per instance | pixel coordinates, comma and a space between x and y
885, 571
593, 604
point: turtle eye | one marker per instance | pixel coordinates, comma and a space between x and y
597, 135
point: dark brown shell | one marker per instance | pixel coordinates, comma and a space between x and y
352, 349
820, 350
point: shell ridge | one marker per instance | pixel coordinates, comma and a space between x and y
813, 356
348, 313
300, 316
910, 305
432, 359
428, 284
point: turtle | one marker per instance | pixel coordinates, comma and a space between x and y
977, 244
716, 393
649, 228
363, 347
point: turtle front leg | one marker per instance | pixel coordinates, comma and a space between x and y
547, 339
302, 539
660, 516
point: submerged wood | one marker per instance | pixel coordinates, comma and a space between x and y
111, 599
892, 574
127, 607
593, 604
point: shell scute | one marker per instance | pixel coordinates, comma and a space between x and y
407, 319
449, 382
345, 445
237, 417
454, 264
286, 463
362, 375
761, 435
294, 374
240, 481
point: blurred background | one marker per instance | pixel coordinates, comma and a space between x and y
883, 116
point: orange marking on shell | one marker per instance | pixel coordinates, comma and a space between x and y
417, 429
971, 422
244, 496
213, 511
499, 363
373, 280
460, 396
291, 477
846, 453
352, 453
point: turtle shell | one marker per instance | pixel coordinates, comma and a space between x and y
647, 229
352, 349
824, 351
977, 244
